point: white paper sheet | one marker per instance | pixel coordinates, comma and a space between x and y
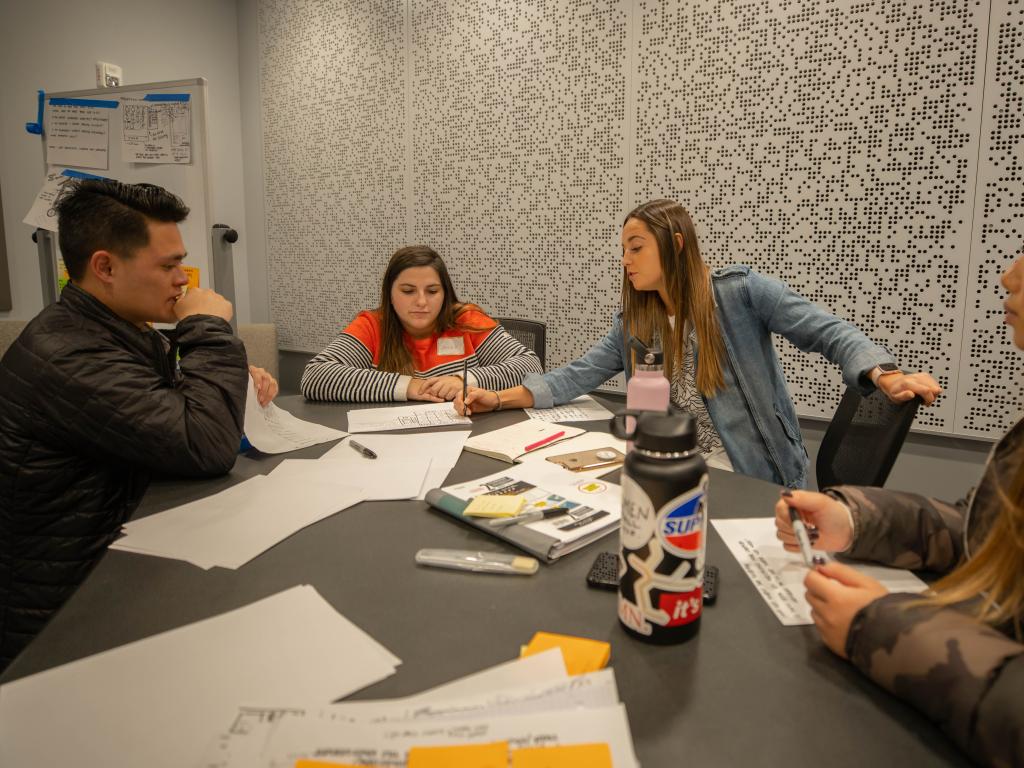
43, 213
443, 448
778, 575
583, 408
404, 417
386, 745
231, 528
274, 430
157, 702
539, 680
77, 136
156, 131
381, 479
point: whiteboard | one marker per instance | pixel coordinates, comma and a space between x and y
190, 181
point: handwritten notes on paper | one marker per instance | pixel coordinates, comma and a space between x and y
77, 132
778, 575
583, 408
404, 417
43, 213
156, 128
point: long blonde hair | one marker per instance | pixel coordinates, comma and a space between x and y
687, 282
995, 573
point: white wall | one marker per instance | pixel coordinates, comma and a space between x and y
54, 44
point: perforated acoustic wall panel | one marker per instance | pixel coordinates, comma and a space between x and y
832, 144
333, 89
991, 389
519, 157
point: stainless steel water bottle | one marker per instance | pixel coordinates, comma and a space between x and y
664, 527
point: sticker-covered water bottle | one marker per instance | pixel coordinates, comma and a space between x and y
664, 527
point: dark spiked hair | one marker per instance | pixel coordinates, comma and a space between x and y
102, 215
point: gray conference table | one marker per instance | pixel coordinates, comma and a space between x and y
745, 691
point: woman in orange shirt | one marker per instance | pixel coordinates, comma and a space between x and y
412, 347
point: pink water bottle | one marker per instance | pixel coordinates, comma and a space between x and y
648, 389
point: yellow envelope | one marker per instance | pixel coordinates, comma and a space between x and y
565, 756
581, 654
461, 756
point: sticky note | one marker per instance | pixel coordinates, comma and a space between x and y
193, 275
564, 756
581, 654
493, 755
495, 506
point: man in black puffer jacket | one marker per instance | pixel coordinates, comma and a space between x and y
93, 401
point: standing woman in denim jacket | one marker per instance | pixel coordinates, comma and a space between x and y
718, 351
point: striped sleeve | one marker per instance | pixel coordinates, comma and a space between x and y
344, 372
504, 361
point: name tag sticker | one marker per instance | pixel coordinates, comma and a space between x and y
451, 345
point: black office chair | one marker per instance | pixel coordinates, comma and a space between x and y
862, 441
530, 332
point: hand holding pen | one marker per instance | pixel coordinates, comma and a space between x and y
826, 522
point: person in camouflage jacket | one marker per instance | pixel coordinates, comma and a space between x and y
956, 654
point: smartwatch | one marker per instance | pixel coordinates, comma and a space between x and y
885, 368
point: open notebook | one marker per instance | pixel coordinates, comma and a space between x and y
512, 443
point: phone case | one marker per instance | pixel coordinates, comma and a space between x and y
581, 460
710, 584
604, 573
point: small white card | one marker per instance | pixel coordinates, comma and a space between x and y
448, 346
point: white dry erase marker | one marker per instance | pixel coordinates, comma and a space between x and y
478, 562
800, 530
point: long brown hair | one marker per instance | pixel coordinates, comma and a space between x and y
394, 355
995, 573
687, 282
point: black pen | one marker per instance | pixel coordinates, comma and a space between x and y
465, 384
362, 449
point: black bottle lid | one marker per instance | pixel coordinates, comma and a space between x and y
665, 432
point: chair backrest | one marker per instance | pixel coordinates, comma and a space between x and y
862, 441
9, 331
531, 333
260, 340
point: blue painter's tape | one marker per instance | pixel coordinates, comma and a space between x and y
81, 175
101, 103
37, 126
166, 97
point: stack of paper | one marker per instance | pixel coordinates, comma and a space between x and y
441, 448
520, 702
381, 479
232, 527
154, 702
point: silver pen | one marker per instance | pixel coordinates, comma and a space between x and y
800, 531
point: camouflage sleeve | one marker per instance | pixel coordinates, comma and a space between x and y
903, 529
964, 675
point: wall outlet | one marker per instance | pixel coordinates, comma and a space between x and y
107, 75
